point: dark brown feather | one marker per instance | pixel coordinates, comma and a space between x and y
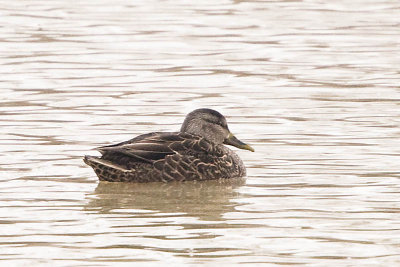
165, 157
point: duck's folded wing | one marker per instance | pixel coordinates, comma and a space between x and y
130, 141
148, 148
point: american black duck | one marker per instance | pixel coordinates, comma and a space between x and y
196, 152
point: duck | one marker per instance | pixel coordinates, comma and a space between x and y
196, 153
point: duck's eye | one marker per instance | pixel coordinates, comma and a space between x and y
221, 124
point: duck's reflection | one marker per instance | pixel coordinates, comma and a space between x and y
207, 200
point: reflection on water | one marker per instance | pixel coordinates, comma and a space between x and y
207, 201
312, 85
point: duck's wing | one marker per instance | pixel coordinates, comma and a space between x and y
150, 147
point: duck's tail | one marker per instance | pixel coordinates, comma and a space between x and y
106, 170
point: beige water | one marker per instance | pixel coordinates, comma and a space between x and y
313, 86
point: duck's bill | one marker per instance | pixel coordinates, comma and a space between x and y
233, 141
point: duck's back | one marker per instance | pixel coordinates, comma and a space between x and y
173, 156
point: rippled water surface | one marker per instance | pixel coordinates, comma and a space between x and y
313, 86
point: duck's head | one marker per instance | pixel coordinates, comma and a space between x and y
211, 125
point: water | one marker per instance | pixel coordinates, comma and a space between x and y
312, 86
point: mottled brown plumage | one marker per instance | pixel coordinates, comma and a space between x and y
195, 153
